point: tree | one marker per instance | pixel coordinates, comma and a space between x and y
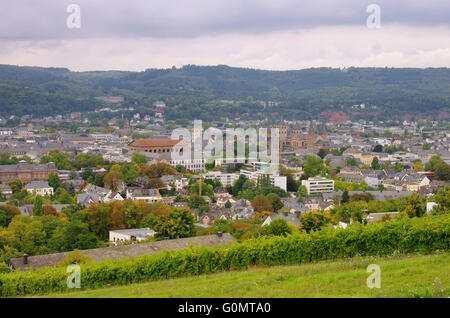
228, 205
442, 171
416, 206
314, 220
375, 164
59, 159
434, 160
322, 153
260, 203
224, 226
275, 201
180, 169
7, 213
16, 185
114, 178
263, 181
50, 211
138, 159
238, 184
98, 220
442, 198
38, 208
207, 189
155, 183
178, 224
418, 166
278, 227
313, 166
73, 235
157, 170
351, 162
87, 173
345, 197
378, 148
53, 181
302, 191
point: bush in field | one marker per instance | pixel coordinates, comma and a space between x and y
75, 257
405, 235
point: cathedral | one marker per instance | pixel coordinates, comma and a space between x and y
296, 139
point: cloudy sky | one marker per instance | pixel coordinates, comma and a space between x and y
268, 34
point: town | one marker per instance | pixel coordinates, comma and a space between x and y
91, 188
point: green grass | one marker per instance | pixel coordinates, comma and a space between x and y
401, 276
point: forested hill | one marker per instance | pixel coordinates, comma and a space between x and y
199, 91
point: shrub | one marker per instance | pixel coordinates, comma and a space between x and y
417, 235
75, 257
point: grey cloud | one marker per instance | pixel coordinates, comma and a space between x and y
45, 19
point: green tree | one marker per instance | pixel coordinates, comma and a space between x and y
260, 204
416, 206
375, 164
38, 208
238, 184
302, 191
138, 159
345, 197
178, 224
73, 235
442, 171
53, 181
98, 221
278, 227
275, 200
314, 220
313, 166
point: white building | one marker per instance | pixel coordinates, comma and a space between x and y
39, 188
121, 236
147, 195
275, 178
318, 185
226, 179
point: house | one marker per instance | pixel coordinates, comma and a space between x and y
118, 252
294, 206
290, 218
39, 187
379, 217
132, 235
222, 196
5, 191
178, 181
112, 196
87, 199
147, 195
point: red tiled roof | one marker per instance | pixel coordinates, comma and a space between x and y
155, 142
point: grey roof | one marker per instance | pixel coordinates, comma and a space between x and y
290, 218
292, 203
119, 252
37, 185
141, 192
84, 198
384, 195
27, 167
142, 233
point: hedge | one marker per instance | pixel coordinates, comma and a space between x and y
417, 235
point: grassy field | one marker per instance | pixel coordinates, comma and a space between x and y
401, 276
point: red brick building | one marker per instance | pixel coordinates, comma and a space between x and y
156, 145
26, 172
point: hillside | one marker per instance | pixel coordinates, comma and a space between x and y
401, 276
196, 91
